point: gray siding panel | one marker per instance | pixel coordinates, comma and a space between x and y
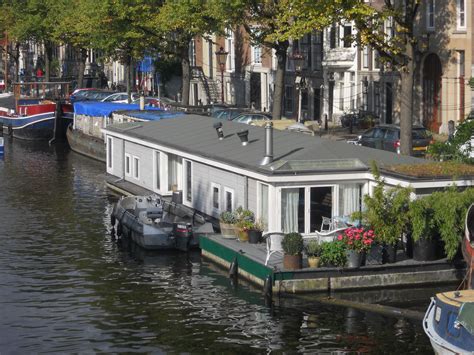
145, 154
117, 157
252, 194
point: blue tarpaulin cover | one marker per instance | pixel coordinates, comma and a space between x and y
154, 115
105, 108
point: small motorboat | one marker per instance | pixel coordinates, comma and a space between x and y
449, 320
155, 224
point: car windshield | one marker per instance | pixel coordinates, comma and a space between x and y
420, 133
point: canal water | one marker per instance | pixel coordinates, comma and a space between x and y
66, 286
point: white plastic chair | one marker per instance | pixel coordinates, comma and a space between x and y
273, 241
329, 236
326, 221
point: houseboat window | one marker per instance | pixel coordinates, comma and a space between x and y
350, 199
263, 204
136, 167
109, 152
173, 166
292, 210
320, 205
188, 180
128, 165
157, 170
215, 196
229, 199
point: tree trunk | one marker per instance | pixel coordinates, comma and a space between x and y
406, 102
48, 48
82, 67
281, 54
17, 62
186, 75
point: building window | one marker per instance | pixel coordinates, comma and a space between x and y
256, 55
461, 14
228, 199
128, 165
289, 94
192, 53
377, 98
317, 49
157, 170
347, 36
430, 15
189, 181
136, 168
229, 47
341, 96
365, 57
376, 59
350, 199
333, 36
389, 27
109, 152
215, 196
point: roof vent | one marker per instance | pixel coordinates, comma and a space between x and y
220, 132
268, 158
244, 136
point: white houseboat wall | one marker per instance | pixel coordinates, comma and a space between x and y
291, 193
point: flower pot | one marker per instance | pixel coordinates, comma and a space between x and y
390, 253
292, 262
374, 255
243, 236
228, 230
424, 249
354, 258
313, 261
254, 236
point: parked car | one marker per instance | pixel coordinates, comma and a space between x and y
227, 114
250, 117
387, 137
120, 97
82, 94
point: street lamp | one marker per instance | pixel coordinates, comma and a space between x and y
221, 56
298, 59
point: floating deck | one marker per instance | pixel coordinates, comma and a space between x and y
251, 266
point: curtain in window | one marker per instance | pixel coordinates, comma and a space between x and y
264, 204
350, 201
289, 210
172, 171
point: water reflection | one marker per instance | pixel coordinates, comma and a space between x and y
67, 286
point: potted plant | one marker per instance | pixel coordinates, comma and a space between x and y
333, 253
357, 240
255, 232
387, 213
313, 251
292, 245
227, 225
423, 228
245, 222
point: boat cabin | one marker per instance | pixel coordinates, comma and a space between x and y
289, 180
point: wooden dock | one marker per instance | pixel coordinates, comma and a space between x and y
250, 259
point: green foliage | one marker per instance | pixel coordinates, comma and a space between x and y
421, 213
168, 67
386, 210
313, 248
228, 217
292, 243
334, 253
451, 149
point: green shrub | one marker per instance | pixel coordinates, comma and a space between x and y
333, 253
451, 149
292, 243
228, 217
313, 248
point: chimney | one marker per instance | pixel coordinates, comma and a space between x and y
268, 158
220, 132
244, 136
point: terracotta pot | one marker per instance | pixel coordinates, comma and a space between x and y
292, 262
254, 236
228, 230
313, 261
243, 236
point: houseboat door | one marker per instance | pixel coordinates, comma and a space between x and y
302, 208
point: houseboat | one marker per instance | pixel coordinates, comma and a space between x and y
289, 180
85, 135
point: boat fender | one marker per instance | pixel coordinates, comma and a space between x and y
119, 229
234, 268
268, 287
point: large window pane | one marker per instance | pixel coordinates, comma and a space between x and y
263, 204
292, 210
320, 206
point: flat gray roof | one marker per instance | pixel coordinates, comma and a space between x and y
293, 152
